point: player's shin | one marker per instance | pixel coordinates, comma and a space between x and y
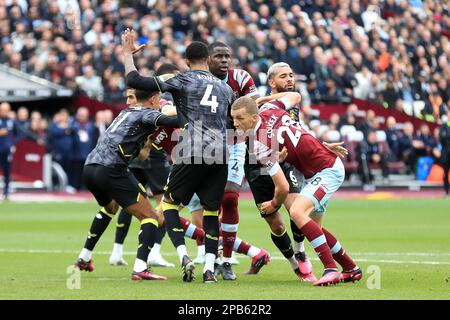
299, 237
174, 228
122, 227
147, 234
315, 236
283, 243
230, 222
211, 227
98, 226
338, 252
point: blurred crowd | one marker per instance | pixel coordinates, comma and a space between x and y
378, 143
394, 52
68, 138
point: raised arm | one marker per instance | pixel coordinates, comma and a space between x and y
134, 79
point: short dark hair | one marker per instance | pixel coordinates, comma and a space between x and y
166, 68
142, 95
216, 44
197, 51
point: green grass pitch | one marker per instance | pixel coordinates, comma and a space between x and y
403, 247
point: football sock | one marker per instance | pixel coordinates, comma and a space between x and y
98, 226
230, 222
192, 231
201, 250
182, 251
173, 225
211, 225
243, 247
156, 249
147, 235
209, 262
315, 236
338, 252
299, 237
123, 225
117, 250
283, 243
85, 254
160, 235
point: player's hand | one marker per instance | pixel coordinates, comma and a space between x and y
160, 214
267, 207
282, 155
3, 132
128, 42
336, 148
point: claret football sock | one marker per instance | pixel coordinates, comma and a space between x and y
192, 231
338, 252
315, 236
230, 222
243, 247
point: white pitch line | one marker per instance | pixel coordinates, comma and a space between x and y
129, 253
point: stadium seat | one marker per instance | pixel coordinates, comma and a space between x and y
351, 163
418, 107
322, 130
408, 108
356, 136
346, 130
314, 123
381, 136
332, 136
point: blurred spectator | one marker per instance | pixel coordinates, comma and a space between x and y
83, 135
444, 139
333, 123
23, 121
393, 139
424, 141
90, 83
61, 139
8, 138
350, 117
371, 152
407, 149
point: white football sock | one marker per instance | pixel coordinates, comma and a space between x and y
85, 254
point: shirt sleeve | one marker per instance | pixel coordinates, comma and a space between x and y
285, 102
136, 81
157, 119
248, 85
167, 121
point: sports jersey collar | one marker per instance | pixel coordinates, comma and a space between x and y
258, 124
226, 78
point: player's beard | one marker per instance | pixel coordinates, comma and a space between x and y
283, 89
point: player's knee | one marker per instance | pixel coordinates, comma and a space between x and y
276, 224
232, 187
278, 229
112, 207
